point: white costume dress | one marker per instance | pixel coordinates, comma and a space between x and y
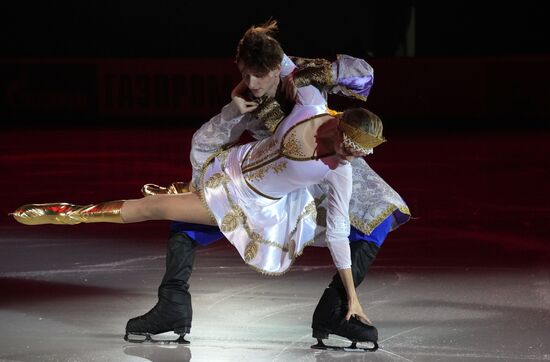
258, 193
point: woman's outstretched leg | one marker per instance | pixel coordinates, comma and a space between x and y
187, 207
182, 207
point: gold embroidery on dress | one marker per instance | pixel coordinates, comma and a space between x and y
223, 156
236, 217
257, 238
200, 194
291, 145
251, 251
309, 210
253, 246
279, 167
261, 160
200, 188
232, 219
259, 174
215, 180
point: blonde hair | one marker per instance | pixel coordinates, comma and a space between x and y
362, 129
365, 120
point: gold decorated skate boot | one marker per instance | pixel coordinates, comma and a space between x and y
69, 214
174, 188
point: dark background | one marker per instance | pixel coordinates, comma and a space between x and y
176, 28
469, 63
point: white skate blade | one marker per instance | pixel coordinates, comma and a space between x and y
161, 338
353, 347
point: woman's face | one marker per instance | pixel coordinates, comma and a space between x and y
260, 84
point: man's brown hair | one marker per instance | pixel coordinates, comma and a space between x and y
258, 49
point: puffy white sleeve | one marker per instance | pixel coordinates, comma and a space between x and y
353, 77
339, 181
222, 129
347, 75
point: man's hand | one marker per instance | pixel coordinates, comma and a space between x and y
243, 105
238, 98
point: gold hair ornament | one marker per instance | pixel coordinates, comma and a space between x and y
358, 139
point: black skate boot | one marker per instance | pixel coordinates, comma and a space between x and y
329, 315
163, 317
173, 311
329, 318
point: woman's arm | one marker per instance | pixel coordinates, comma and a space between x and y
354, 306
339, 181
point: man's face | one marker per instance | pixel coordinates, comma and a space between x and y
260, 84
